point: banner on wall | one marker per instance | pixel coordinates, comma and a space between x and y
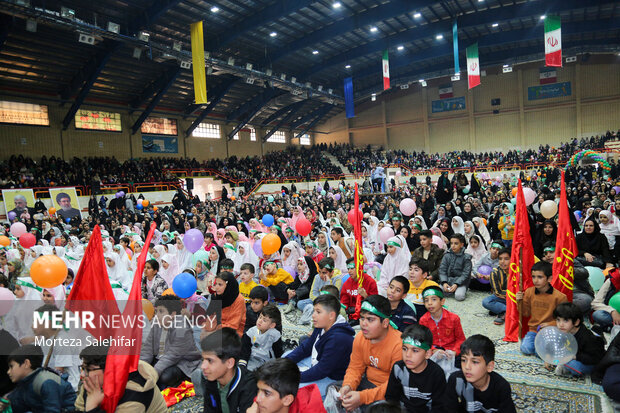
18, 201
159, 144
447, 105
65, 200
554, 90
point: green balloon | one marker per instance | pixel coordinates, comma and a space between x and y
596, 277
615, 302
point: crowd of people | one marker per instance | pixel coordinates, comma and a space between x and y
399, 347
361, 160
299, 163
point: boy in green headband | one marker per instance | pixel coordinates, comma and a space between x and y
446, 326
276, 280
375, 350
548, 252
416, 382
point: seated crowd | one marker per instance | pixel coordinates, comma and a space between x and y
381, 340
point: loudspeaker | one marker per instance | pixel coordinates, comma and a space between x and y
189, 183
496, 102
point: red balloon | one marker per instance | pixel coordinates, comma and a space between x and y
351, 216
27, 240
303, 226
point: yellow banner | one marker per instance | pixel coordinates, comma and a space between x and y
198, 63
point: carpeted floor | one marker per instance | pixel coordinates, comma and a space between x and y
534, 388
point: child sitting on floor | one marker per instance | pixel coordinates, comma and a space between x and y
590, 347
476, 387
246, 281
259, 342
446, 326
538, 303
419, 279
402, 314
417, 382
276, 279
496, 302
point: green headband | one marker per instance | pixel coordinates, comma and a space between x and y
418, 226
276, 226
351, 265
416, 343
311, 244
268, 262
549, 249
394, 244
27, 284
496, 245
432, 291
327, 266
366, 306
289, 229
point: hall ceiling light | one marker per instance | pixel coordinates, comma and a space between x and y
417, 15
439, 37
273, 34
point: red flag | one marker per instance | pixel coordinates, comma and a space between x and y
122, 360
91, 289
520, 270
565, 249
359, 252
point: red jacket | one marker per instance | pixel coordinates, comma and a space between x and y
448, 333
348, 291
308, 399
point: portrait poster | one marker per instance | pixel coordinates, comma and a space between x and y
20, 201
66, 202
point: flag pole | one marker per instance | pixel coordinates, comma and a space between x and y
520, 302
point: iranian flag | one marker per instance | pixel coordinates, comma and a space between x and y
445, 91
548, 75
386, 71
473, 66
553, 41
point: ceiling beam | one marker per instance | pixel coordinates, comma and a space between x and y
6, 24
349, 24
259, 102
256, 101
216, 96
170, 77
278, 113
294, 108
308, 116
316, 120
157, 9
280, 8
508, 12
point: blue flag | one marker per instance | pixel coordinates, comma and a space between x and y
455, 43
348, 97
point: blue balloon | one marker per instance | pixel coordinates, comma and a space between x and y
68, 220
184, 285
268, 220
139, 206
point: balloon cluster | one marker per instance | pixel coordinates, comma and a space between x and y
574, 160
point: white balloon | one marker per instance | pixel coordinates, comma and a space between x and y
548, 209
555, 346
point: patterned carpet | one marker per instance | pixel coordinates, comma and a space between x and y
534, 388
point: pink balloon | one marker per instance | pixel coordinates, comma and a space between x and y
407, 207
17, 229
398, 173
439, 242
385, 234
7, 299
529, 195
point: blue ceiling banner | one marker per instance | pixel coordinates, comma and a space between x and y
348, 97
455, 43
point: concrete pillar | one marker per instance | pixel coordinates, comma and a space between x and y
427, 133
521, 109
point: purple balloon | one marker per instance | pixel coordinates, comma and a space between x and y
337, 197
485, 270
291, 270
193, 240
617, 188
122, 193
483, 280
257, 247
11, 215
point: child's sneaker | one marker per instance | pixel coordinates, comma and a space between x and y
501, 318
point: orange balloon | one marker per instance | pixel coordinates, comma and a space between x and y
514, 191
538, 173
48, 271
270, 244
155, 208
52, 211
145, 202
232, 198
169, 291
148, 308
5, 241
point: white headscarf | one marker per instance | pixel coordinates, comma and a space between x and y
482, 230
18, 321
394, 264
118, 273
611, 229
341, 260
459, 228
172, 271
59, 295
476, 253
184, 257
248, 256
291, 261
